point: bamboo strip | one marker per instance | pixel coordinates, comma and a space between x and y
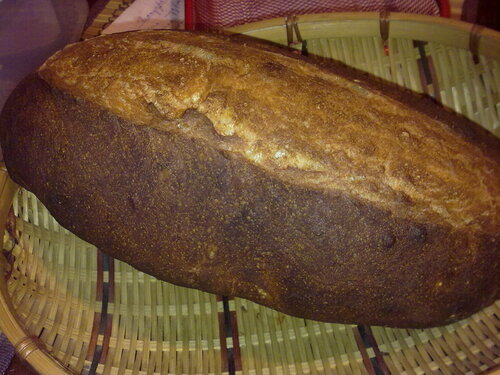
9, 324
402, 26
158, 328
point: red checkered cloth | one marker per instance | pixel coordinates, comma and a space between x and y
208, 14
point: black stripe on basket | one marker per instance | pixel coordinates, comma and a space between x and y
435, 81
103, 265
229, 333
367, 361
228, 328
236, 341
370, 342
424, 61
227, 317
365, 340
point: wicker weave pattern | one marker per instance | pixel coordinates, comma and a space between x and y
446, 73
100, 316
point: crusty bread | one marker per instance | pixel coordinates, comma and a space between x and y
243, 170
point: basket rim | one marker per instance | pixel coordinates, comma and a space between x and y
454, 33
478, 39
27, 347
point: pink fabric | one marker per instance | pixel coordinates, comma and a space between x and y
227, 13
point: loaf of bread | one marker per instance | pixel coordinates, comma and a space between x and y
240, 169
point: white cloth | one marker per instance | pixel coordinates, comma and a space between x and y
149, 14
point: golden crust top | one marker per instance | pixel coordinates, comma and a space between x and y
294, 119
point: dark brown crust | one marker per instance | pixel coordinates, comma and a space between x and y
185, 212
302, 124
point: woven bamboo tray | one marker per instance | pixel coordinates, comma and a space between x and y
70, 309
